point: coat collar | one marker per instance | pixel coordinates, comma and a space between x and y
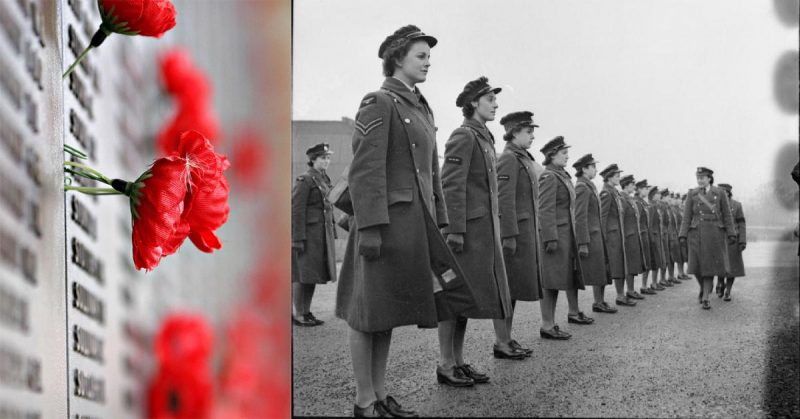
611, 189
396, 86
559, 171
588, 182
477, 126
513, 148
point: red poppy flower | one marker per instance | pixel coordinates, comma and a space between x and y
183, 79
250, 158
182, 195
180, 391
200, 119
137, 17
184, 338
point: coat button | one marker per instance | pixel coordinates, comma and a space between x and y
414, 145
417, 171
407, 121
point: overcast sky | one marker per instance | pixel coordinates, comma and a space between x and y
658, 87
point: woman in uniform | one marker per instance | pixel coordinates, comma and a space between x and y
706, 222
469, 180
734, 250
633, 246
591, 246
611, 219
644, 232
518, 196
313, 234
561, 269
674, 245
397, 269
665, 238
656, 244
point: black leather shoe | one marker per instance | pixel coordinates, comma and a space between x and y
647, 291
706, 305
674, 280
453, 377
514, 344
470, 372
389, 407
727, 297
310, 317
603, 308
657, 287
554, 333
509, 353
665, 283
635, 295
720, 290
609, 308
579, 318
683, 277
371, 411
302, 322
625, 302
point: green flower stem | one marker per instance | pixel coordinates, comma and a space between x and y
95, 174
92, 191
75, 152
80, 58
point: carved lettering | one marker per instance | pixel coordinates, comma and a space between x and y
86, 260
8, 248
78, 88
87, 303
87, 344
10, 139
89, 387
83, 217
13, 311
9, 85
10, 27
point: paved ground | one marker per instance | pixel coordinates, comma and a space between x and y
665, 357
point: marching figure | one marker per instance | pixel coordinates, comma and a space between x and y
397, 268
313, 234
518, 198
706, 222
734, 250
665, 238
469, 181
612, 221
561, 267
589, 233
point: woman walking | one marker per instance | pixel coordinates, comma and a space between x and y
706, 222
734, 250
589, 233
313, 234
561, 268
397, 269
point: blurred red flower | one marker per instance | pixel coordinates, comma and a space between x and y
198, 118
184, 194
250, 158
137, 17
184, 338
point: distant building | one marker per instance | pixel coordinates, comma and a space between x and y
339, 135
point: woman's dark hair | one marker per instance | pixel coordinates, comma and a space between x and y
468, 110
579, 172
396, 54
510, 135
710, 179
549, 157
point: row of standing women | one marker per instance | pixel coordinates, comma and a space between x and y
435, 248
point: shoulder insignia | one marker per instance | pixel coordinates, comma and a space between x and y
503, 177
369, 100
604, 193
366, 128
453, 159
300, 179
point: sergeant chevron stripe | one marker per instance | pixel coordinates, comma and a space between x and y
366, 128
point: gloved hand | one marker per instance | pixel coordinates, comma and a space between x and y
509, 246
742, 246
551, 246
731, 239
456, 242
583, 250
369, 242
299, 245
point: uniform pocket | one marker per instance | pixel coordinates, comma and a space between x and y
523, 215
313, 218
476, 213
400, 195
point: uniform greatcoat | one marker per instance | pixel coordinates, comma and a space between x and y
665, 233
313, 224
734, 254
589, 232
469, 181
706, 223
518, 196
674, 244
644, 232
561, 269
611, 219
656, 244
633, 246
395, 186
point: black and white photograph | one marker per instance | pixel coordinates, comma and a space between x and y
545, 208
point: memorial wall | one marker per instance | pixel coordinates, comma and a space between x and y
77, 319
